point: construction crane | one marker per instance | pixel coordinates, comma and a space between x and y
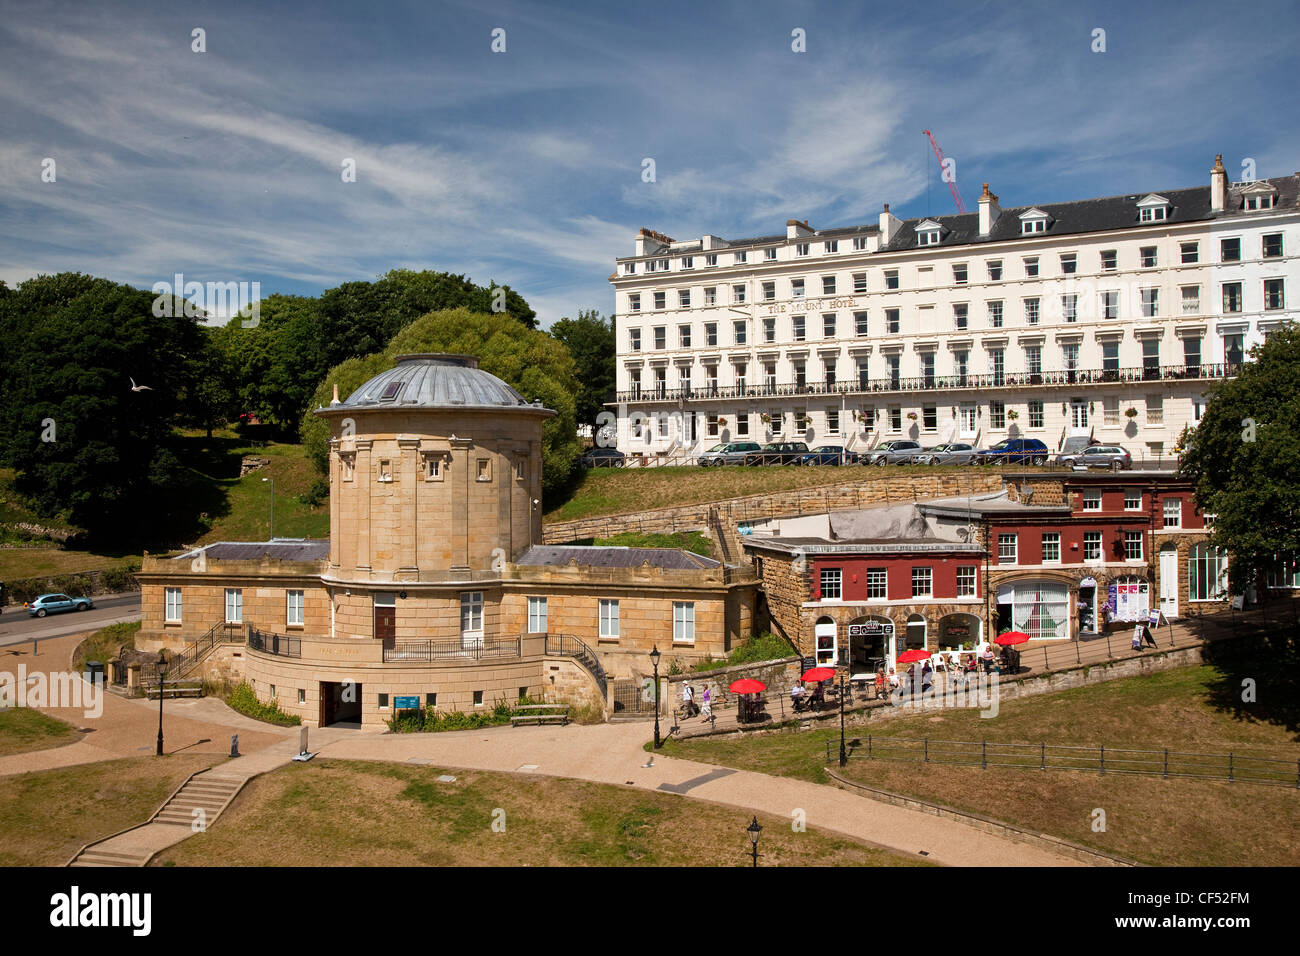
952, 184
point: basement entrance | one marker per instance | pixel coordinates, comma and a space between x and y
340, 703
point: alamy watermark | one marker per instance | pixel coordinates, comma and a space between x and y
54, 690
243, 299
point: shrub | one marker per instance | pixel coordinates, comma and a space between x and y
244, 700
429, 721
121, 578
318, 492
765, 647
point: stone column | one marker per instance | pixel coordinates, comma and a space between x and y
336, 486
409, 450
365, 478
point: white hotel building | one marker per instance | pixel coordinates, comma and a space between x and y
1103, 317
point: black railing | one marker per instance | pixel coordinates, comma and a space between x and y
566, 645
455, 650
279, 644
181, 663
1096, 376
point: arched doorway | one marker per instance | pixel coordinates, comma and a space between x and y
956, 630
916, 632
825, 641
871, 643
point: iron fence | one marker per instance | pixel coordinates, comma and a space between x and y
453, 650
1231, 767
566, 645
279, 644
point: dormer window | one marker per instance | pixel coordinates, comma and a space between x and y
929, 233
1153, 208
1034, 221
1262, 201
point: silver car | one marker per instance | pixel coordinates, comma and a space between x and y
727, 453
900, 451
949, 453
1114, 457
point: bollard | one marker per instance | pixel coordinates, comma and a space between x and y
302, 742
1046, 666
1297, 762
234, 745
984, 755
927, 749
1166, 773
1230, 766
1042, 756
1103, 760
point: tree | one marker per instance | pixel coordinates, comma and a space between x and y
84, 444
535, 364
1244, 459
590, 340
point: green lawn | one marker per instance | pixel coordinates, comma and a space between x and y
104, 644
324, 813
23, 730
1163, 822
48, 815
693, 541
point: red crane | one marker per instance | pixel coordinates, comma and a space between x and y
952, 185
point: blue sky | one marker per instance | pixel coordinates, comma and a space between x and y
525, 166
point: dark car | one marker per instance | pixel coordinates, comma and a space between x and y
778, 453
897, 452
54, 603
949, 453
1013, 451
727, 453
1114, 457
829, 455
603, 458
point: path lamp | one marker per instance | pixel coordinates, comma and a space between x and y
162, 675
844, 757
753, 830
654, 660
272, 481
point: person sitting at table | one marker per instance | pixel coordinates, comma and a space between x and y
927, 676
880, 683
818, 695
895, 682
987, 658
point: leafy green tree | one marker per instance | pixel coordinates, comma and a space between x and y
86, 446
535, 364
360, 318
590, 340
1244, 459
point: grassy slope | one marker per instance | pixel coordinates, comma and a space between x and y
323, 813
23, 730
48, 815
1163, 822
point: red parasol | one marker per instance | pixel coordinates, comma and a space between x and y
1011, 637
747, 685
916, 654
818, 674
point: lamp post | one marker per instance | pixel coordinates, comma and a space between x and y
272, 481
753, 830
654, 660
162, 675
844, 757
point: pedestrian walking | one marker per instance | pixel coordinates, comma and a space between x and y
706, 699
688, 701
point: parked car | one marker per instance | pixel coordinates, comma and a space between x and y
829, 455
1114, 457
949, 453
1073, 445
727, 453
1013, 451
897, 452
54, 603
778, 453
603, 458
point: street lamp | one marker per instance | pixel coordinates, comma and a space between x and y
162, 675
654, 660
844, 757
272, 481
753, 830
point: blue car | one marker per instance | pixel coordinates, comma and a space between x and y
1013, 451
54, 603
829, 455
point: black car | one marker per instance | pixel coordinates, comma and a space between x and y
603, 458
1013, 451
778, 453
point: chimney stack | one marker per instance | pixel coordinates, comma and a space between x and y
889, 226
335, 399
1218, 185
989, 211
794, 229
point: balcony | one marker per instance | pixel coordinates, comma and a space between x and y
463, 650
968, 382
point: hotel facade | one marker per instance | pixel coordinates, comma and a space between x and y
1106, 318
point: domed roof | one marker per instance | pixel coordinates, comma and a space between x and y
436, 381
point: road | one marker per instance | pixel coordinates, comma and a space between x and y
17, 627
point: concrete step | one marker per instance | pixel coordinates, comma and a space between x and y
102, 858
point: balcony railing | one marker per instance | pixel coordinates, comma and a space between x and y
456, 650
278, 644
1094, 376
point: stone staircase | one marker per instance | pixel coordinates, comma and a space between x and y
209, 791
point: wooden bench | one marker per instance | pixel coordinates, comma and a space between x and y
538, 714
175, 688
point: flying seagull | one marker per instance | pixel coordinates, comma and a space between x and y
140, 388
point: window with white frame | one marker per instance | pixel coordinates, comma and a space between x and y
922, 582
711, 294
796, 288
738, 294
683, 298
234, 606
877, 584
1132, 499
1173, 512
828, 285
831, 245
711, 259
859, 243
859, 282
1069, 263
1133, 545
966, 580
1092, 546
769, 253
661, 300
1207, 573
1147, 257
1109, 260
1051, 547
683, 622
860, 324
172, 605
1006, 549
293, 609
1190, 252
1031, 267
960, 275
1092, 499
537, 615
995, 270
801, 248
471, 614
1036, 413
608, 619
830, 584
769, 291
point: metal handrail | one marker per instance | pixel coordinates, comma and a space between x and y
185, 661
280, 645
566, 645
450, 650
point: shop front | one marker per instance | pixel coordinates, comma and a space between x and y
871, 644
1039, 608
959, 630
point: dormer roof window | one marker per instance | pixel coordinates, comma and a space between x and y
1259, 195
929, 233
1034, 220
1153, 208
